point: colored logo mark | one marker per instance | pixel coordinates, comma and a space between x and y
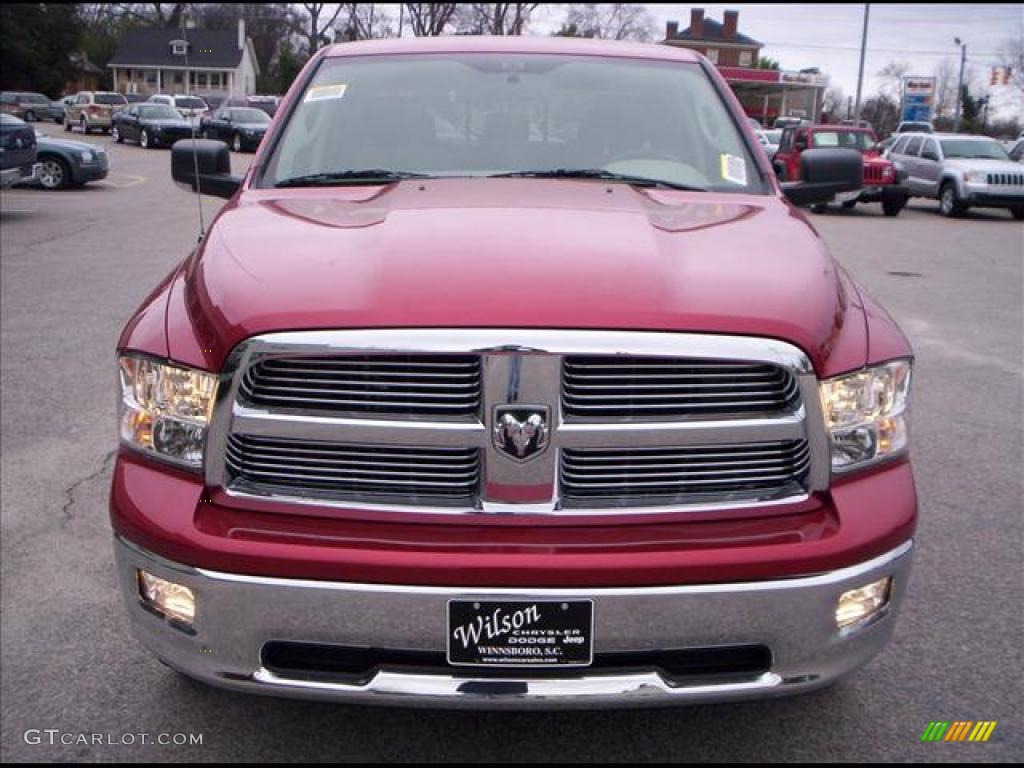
958, 730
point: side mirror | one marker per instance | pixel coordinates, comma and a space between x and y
824, 173
213, 161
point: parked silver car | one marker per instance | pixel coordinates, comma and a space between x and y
960, 171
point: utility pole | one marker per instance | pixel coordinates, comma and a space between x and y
860, 71
959, 85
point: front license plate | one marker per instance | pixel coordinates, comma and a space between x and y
528, 633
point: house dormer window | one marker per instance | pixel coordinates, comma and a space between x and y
179, 47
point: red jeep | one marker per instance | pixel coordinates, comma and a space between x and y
511, 376
881, 183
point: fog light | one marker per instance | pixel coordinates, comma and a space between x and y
859, 604
173, 601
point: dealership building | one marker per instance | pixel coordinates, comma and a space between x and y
764, 93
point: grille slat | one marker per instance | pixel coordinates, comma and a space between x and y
623, 388
353, 471
403, 386
639, 477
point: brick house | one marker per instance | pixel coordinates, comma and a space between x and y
721, 42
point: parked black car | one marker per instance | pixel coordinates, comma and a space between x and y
18, 159
241, 127
152, 125
66, 163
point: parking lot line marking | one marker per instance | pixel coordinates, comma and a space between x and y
135, 181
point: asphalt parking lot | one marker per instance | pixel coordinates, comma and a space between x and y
75, 264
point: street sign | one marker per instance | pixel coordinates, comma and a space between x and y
918, 98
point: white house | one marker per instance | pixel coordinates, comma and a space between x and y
201, 61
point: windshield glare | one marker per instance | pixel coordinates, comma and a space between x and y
487, 114
158, 111
973, 148
848, 139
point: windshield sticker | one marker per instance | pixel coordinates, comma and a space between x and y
324, 92
734, 169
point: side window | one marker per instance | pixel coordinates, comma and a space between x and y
786, 141
914, 146
899, 146
801, 137
931, 149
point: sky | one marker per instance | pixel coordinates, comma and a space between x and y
828, 36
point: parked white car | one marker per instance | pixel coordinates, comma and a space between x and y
960, 170
191, 107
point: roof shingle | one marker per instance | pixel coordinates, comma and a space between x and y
209, 48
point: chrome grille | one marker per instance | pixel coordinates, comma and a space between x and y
397, 385
353, 419
643, 388
1006, 179
339, 470
638, 477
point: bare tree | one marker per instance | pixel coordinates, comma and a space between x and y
312, 21
1011, 56
364, 21
945, 87
612, 21
892, 75
430, 19
833, 102
493, 18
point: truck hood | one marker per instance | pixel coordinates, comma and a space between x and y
982, 164
514, 253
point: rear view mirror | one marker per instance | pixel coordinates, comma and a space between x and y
206, 170
824, 173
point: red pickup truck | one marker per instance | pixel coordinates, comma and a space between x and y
510, 375
881, 180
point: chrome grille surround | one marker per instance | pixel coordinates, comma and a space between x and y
522, 367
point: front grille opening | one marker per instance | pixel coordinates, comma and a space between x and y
341, 471
357, 665
641, 476
637, 388
403, 386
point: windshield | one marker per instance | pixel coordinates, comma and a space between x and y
490, 114
249, 116
849, 139
973, 148
915, 128
158, 112
189, 102
110, 98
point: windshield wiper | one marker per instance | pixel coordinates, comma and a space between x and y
596, 173
343, 177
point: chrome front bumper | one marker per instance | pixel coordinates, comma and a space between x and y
236, 615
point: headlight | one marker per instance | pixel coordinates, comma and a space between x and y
976, 177
87, 156
165, 409
866, 414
